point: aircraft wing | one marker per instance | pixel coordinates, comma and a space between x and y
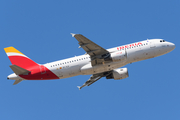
94, 78
91, 48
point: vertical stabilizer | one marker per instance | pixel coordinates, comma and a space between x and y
18, 58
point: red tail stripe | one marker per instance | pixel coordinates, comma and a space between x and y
23, 62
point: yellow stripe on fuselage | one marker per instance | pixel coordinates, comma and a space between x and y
12, 50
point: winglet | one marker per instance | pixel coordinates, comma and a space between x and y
73, 34
79, 87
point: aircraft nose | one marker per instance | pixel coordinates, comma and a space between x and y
172, 45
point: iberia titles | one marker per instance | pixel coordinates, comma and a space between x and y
128, 46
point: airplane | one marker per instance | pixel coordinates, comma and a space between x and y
97, 61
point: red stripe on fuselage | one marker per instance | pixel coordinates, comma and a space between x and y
39, 72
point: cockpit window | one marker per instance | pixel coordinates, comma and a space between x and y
162, 41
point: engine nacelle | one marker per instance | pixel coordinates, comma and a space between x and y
117, 56
118, 74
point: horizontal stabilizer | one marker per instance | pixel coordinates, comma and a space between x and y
18, 70
16, 82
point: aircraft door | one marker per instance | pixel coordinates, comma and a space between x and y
60, 72
152, 45
42, 69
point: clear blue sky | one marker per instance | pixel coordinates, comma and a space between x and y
41, 30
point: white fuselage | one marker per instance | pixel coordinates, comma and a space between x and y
81, 65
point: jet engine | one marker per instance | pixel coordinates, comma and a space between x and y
116, 56
118, 74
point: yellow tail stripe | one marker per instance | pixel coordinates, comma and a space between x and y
12, 50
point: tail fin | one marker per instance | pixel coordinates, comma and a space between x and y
19, 59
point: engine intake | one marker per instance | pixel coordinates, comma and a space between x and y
118, 74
